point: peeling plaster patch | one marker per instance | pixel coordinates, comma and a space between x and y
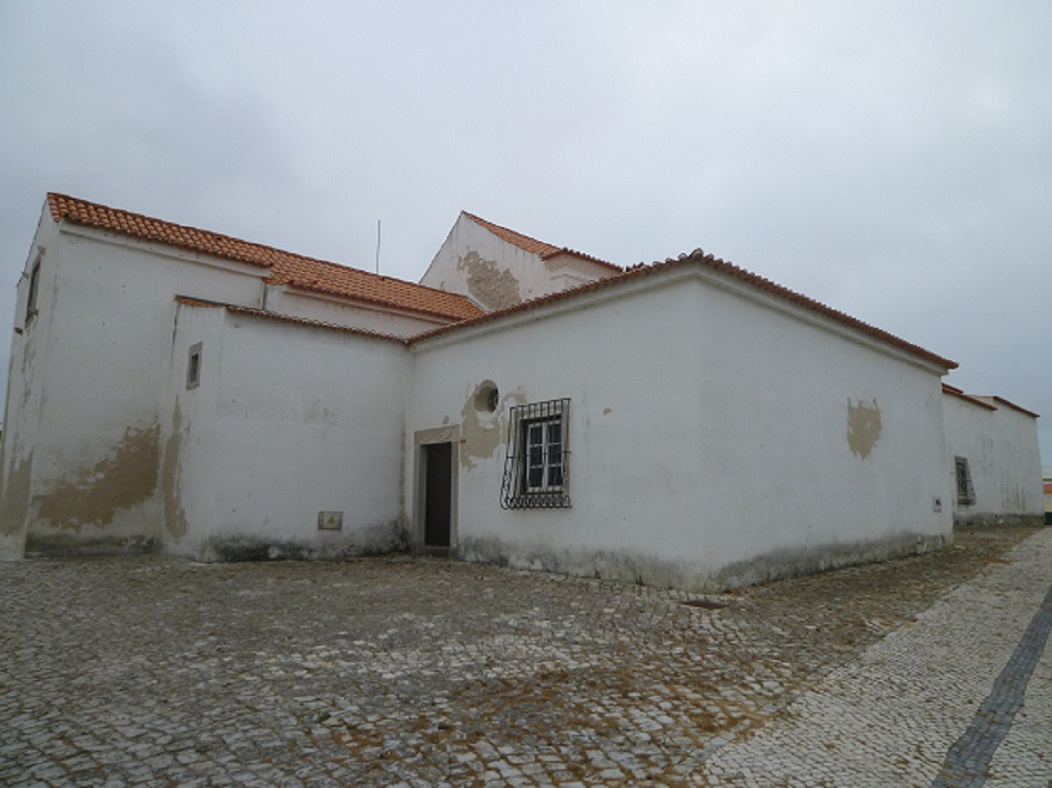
119, 481
492, 287
481, 432
174, 516
15, 501
863, 427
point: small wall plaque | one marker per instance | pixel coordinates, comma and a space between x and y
330, 521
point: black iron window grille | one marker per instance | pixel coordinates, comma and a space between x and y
537, 468
965, 490
34, 288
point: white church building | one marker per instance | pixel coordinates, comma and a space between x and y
686, 424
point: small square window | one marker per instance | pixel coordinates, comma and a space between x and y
536, 470
965, 490
193, 367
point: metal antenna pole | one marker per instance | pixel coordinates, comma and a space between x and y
377, 246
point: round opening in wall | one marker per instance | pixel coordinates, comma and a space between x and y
487, 397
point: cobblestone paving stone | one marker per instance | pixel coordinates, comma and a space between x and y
970, 755
930, 703
407, 671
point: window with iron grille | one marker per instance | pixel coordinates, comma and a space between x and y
34, 288
536, 469
965, 490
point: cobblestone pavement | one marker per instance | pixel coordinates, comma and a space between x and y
147, 670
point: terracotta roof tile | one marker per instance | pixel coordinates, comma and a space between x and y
323, 277
700, 259
285, 267
543, 250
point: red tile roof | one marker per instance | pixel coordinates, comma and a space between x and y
543, 250
322, 277
286, 268
707, 261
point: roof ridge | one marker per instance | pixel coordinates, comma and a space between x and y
528, 243
285, 267
62, 209
513, 237
763, 283
700, 258
385, 277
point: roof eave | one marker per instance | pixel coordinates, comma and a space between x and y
718, 271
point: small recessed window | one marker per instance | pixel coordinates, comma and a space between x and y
193, 367
34, 287
487, 397
965, 490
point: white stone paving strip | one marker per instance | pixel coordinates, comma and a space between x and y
891, 717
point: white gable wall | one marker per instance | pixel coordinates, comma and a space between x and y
288, 421
708, 438
496, 274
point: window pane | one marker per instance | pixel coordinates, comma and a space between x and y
536, 476
555, 432
555, 476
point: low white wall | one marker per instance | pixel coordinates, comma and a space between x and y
714, 441
293, 420
1004, 462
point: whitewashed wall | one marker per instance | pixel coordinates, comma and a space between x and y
287, 421
1020, 467
1003, 455
29, 343
709, 438
88, 399
496, 274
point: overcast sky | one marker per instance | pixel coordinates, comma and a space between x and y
891, 159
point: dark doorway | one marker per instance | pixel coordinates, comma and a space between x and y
438, 494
